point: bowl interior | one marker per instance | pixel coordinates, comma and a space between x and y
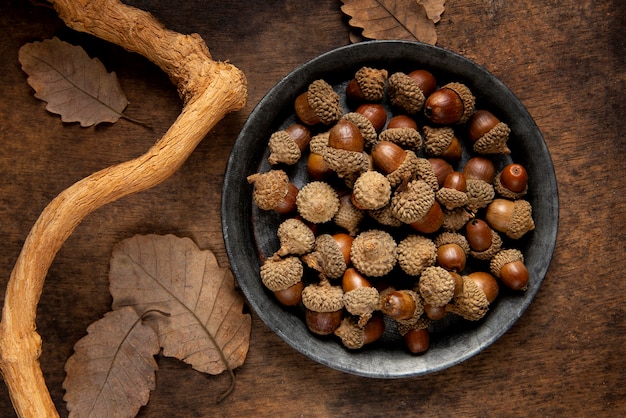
250, 233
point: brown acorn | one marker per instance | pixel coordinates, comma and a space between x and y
451, 104
274, 191
319, 104
513, 218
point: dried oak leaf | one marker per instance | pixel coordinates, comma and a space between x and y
391, 19
112, 370
74, 86
206, 327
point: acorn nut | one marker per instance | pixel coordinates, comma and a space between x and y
512, 181
274, 191
451, 104
373, 253
295, 237
416, 253
368, 84
488, 134
323, 307
284, 278
286, 145
331, 255
317, 202
508, 265
319, 104
512, 218
371, 191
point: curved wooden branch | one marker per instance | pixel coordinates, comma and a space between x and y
209, 89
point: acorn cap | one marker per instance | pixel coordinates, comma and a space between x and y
411, 204
451, 198
281, 273
322, 297
371, 190
361, 302
504, 192
479, 194
345, 162
327, 257
521, 219
384, 216
423, 322
494, 141
373, 253
424, 171
317, 202
371, 81
504, 257
283, 149
455, 219
365, 126
404, 93
452, 238
471, 304
324, 101
348, 216
407, 169
467, 98
270, 188
417, 313
295, 237
415, 253
319, 143
437, 140
405, 137
351, 334
436, 285
496, 245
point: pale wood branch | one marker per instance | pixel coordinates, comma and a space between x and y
209, 89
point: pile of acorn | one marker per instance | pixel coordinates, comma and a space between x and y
386, 226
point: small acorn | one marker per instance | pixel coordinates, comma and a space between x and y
455, 219
453, 194
402, 121
274, 191
479, 168
283, 276
360, 298
508, 265
417, 340
437, 286
331, 255
451, 104
411, 203
371, 191
511, 217
368, 84
344, 153
404, 93
373, 253
487, 283
472, 303
375, 113
442, 142
488, 134
317, 202
452, 251
319, 104
479, 194
512, 181
286, 145
295, 238
402, 305
431, 222
368, 131
323, 307
441, 168
348, 216
415, 253
317, 168
478, 234
355, 336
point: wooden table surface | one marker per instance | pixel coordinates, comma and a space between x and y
565, 60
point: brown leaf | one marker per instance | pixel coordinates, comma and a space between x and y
112, 370
391, 19
75, 86
434, 8
206, 327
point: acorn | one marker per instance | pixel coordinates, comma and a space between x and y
283, 276
453, 194
508, 265
393, 161
331, 255
411, 203
471, 304
452, 251
479, 168
512, 218
402, 305
384, 216
368, 131
441, 168
512, 181
323, 307
373, 253
348, 216
435, 313
360, 298
451, 104
407, 138
488, 134
317, 202
375, 113
436, 286
316, 166
479, 194
286, 145
402, 121
478, 234
404, 93
442, 142
368, 84
415, 253
371, 191
431, 222
417, 340
487, 283
295, 238
274, 191
319, 104
455, 219
344, 153
355, 336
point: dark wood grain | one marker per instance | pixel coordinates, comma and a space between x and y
565, 60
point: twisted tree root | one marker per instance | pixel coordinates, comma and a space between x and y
209, 90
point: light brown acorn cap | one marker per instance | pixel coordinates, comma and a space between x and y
406, 137
448, 237
361, 302
406, 169
503, 257
455, 219
404, 93
351, 334
295, 237
373, 252
479, 194
322, 297
415, 253
451, 198
504, 192
371, 190
372, 82
270, 188
423, 322
437, 139
417, 313
411, 204
370, 136
384, 217
521, 220
348, 216
496, 245
324, 101
345, 162
317, 202
283, 149
424, 171
436, 285
494, 141
467, 98
281, 273
319, 143
471, 304
327, 257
